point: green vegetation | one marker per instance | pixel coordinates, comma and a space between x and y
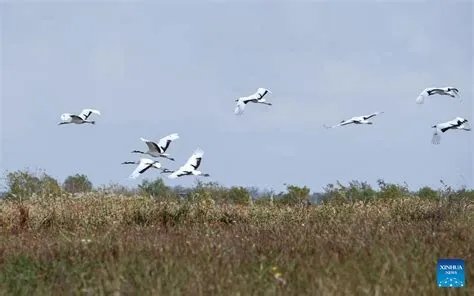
208, 240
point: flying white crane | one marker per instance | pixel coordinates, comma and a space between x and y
356, 120
143, 165
68, 118
163, 170
458, 123
158, 150
257, 97
191, 166
443, 91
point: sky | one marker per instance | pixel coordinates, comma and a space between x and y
155, 68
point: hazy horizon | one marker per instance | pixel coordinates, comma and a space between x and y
158, 68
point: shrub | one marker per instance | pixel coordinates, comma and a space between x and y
334, 194
23, 184
390, 191
238, 195
77, 183
155, 189
295, 195
427, 193
356, 191
208, 190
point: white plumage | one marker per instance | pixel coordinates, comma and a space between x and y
191, 166
356, 120
443, 91
68, 118
158, 150
458, 123
257, 97
143, 165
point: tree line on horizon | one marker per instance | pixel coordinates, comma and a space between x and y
25, 184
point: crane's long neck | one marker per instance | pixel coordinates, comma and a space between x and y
164, 155
136, 151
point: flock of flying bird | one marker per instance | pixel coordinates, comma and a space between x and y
158, 149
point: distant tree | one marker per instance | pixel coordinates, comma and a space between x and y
389, 191
238, 195
427, 193
296, 195
359, 191
22, 184
49, 185
334, 194
77, 183
209, 190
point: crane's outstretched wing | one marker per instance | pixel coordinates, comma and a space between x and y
191, 164
156, 165
165, 142
261, 92
152, 146
453, 90
258, 95
465, 126
342, 123
420, 99
143, 166
461, 123
194, 161
422, 96
239, 108
66, 116
458, 120
87, 112
372, 115
179, 173
436, 139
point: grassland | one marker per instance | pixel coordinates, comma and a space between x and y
141, 246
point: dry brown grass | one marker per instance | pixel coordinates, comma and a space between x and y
140, 246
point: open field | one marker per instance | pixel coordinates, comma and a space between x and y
140, 246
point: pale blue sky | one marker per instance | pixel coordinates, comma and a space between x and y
154, 69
